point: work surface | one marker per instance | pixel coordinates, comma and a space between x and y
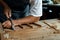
42, 30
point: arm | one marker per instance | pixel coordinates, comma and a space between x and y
26, 20
34, 15
3, 4
7, 10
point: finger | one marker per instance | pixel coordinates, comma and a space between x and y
5, 23
9, 14
7, 26
6, 13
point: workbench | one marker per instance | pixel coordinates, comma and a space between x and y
41, 30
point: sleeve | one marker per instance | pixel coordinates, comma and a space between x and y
36, 9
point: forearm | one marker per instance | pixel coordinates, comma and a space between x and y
3, 4
28, 19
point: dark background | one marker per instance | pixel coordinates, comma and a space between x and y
50, 11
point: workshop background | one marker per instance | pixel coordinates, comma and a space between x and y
51, 9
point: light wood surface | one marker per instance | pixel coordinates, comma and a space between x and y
41, 31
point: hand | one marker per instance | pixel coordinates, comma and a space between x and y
7, 12
7, 23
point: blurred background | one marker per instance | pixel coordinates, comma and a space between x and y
51, 9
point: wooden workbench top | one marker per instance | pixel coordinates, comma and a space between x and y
41, 30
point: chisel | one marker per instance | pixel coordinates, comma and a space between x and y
12, 25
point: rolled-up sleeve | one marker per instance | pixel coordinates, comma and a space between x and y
36, 9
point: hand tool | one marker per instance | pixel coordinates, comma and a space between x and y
12, 25
10, 19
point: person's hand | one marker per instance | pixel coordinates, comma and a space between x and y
7, 23
7, 12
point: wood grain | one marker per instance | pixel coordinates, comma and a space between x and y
36, 33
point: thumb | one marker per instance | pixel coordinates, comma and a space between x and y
9, 14
6, 13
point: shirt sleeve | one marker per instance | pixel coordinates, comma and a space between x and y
36, 9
